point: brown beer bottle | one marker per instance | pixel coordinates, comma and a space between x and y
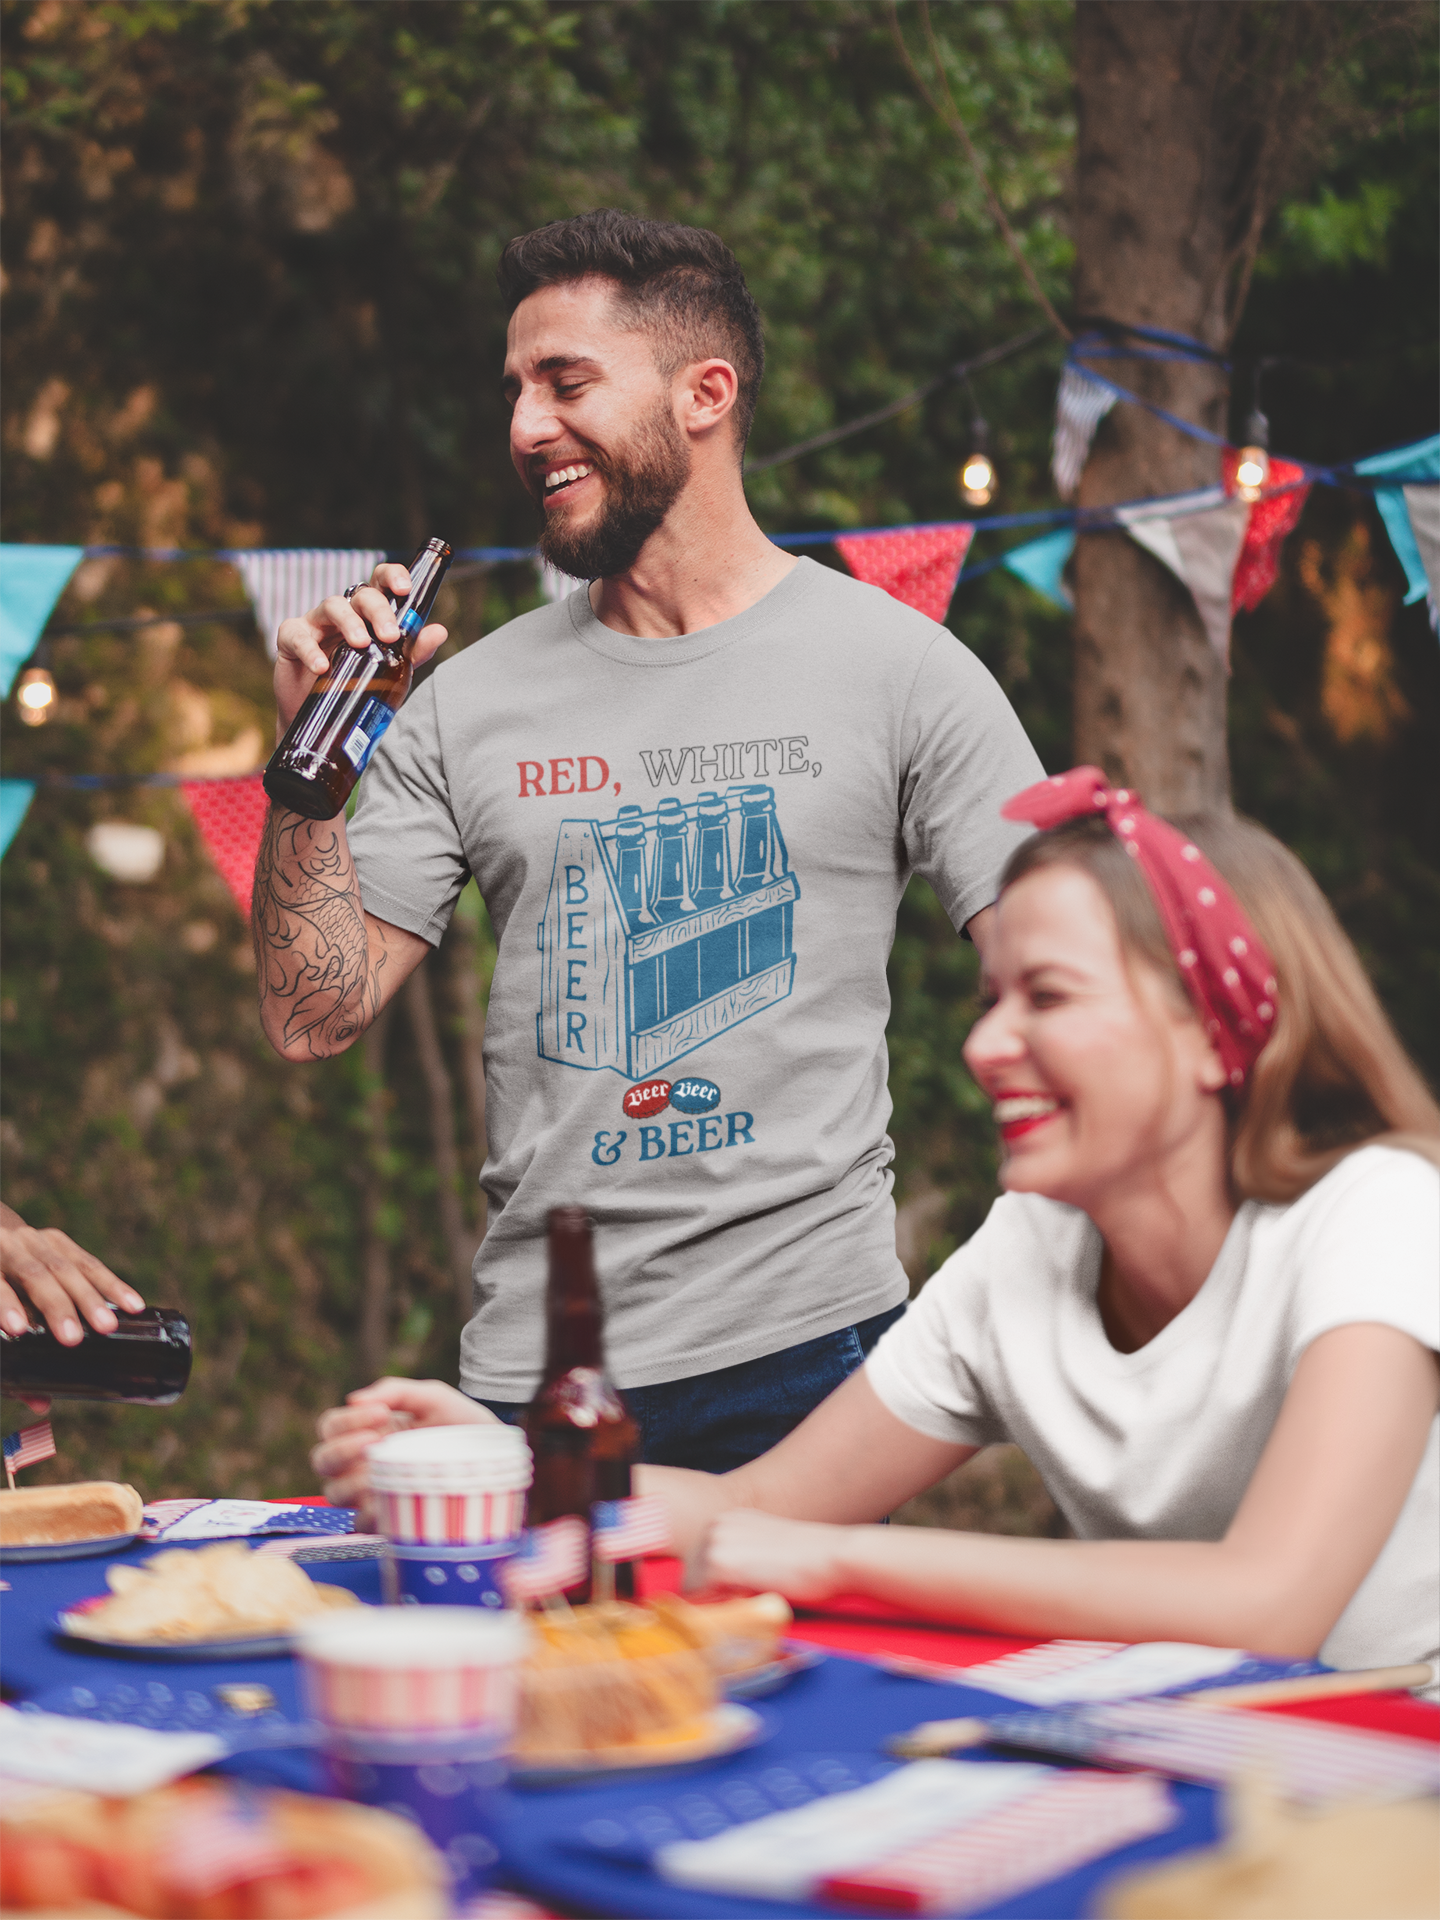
314, 769
580, 1430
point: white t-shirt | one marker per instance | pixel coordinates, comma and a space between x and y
1006, 1343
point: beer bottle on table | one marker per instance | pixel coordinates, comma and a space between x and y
314, 769
580, 1430
145, 1362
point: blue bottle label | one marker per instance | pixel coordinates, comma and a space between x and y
371, 721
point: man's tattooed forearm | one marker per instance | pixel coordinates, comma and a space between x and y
318, 985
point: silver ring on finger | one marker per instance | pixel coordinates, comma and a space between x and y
350, 592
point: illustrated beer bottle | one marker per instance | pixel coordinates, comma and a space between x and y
314, 769
580, 1430
145, 1362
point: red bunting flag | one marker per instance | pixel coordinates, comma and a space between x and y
1271, 519
918, 565
231, 817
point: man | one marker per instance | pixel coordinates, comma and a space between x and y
691, 796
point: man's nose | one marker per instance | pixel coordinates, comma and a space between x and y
533, 424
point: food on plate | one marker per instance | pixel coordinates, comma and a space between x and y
1328, 1863
610, 1676
215, 1850
736, 1636
223, 1592
59, 1516
617, 1676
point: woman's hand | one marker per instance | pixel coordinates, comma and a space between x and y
386, 1406
765, 1554
61, 1280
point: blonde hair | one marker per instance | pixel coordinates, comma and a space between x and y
1334, 1076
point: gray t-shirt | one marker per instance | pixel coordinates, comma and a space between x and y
692, 851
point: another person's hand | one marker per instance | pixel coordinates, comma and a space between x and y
762, 1553
61, 1280
386, 1406
307, 641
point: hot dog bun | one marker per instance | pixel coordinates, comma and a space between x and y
58, 1516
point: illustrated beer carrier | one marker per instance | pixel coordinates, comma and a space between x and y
664, 929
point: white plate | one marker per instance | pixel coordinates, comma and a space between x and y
71, 1549
70, 1623
795, 1657
728, 1728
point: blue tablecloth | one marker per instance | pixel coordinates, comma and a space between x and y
577, 1847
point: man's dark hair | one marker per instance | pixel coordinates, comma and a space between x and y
683, 284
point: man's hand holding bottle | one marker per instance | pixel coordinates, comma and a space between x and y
308, 641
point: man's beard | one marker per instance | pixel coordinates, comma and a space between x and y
641, 486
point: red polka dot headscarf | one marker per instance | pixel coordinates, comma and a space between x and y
1222, 959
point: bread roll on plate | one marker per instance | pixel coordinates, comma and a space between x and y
60, 1516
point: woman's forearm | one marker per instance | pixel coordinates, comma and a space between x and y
1104, 1589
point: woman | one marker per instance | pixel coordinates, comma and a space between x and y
1205, 1304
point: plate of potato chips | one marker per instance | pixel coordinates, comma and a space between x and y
221, 1602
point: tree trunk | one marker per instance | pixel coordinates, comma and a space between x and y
375, 1252
467, 987
459, 1241
1160, 210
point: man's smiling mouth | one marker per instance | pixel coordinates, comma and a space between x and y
558, 479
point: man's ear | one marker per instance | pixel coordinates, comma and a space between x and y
706, 394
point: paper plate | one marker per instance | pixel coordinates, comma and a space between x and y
70, 1624
727, 1729
72, 1549
795, 1658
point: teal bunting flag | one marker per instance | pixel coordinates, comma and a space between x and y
32, 579
1040, 564
15, 798
1409, 514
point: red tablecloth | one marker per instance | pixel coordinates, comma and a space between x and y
861, 1626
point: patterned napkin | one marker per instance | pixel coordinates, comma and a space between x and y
938, 1836
178, 1520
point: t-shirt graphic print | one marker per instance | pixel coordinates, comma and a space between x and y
692, 851
663, 929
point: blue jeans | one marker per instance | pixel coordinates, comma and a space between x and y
716, 1421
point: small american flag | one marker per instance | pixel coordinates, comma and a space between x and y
625, 1529
28, 1447
551, 1558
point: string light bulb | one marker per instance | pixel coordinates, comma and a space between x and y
35, 696
1252, 470
977, 476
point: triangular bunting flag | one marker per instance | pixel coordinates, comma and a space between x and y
1080, 405
231, 817
1041, 564
1412, 515
1271, 519
15, 798
32, 579
282, 581
918, 565
1198, 536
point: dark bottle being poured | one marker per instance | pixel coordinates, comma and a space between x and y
314, 769
144, 1362
580, 1431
